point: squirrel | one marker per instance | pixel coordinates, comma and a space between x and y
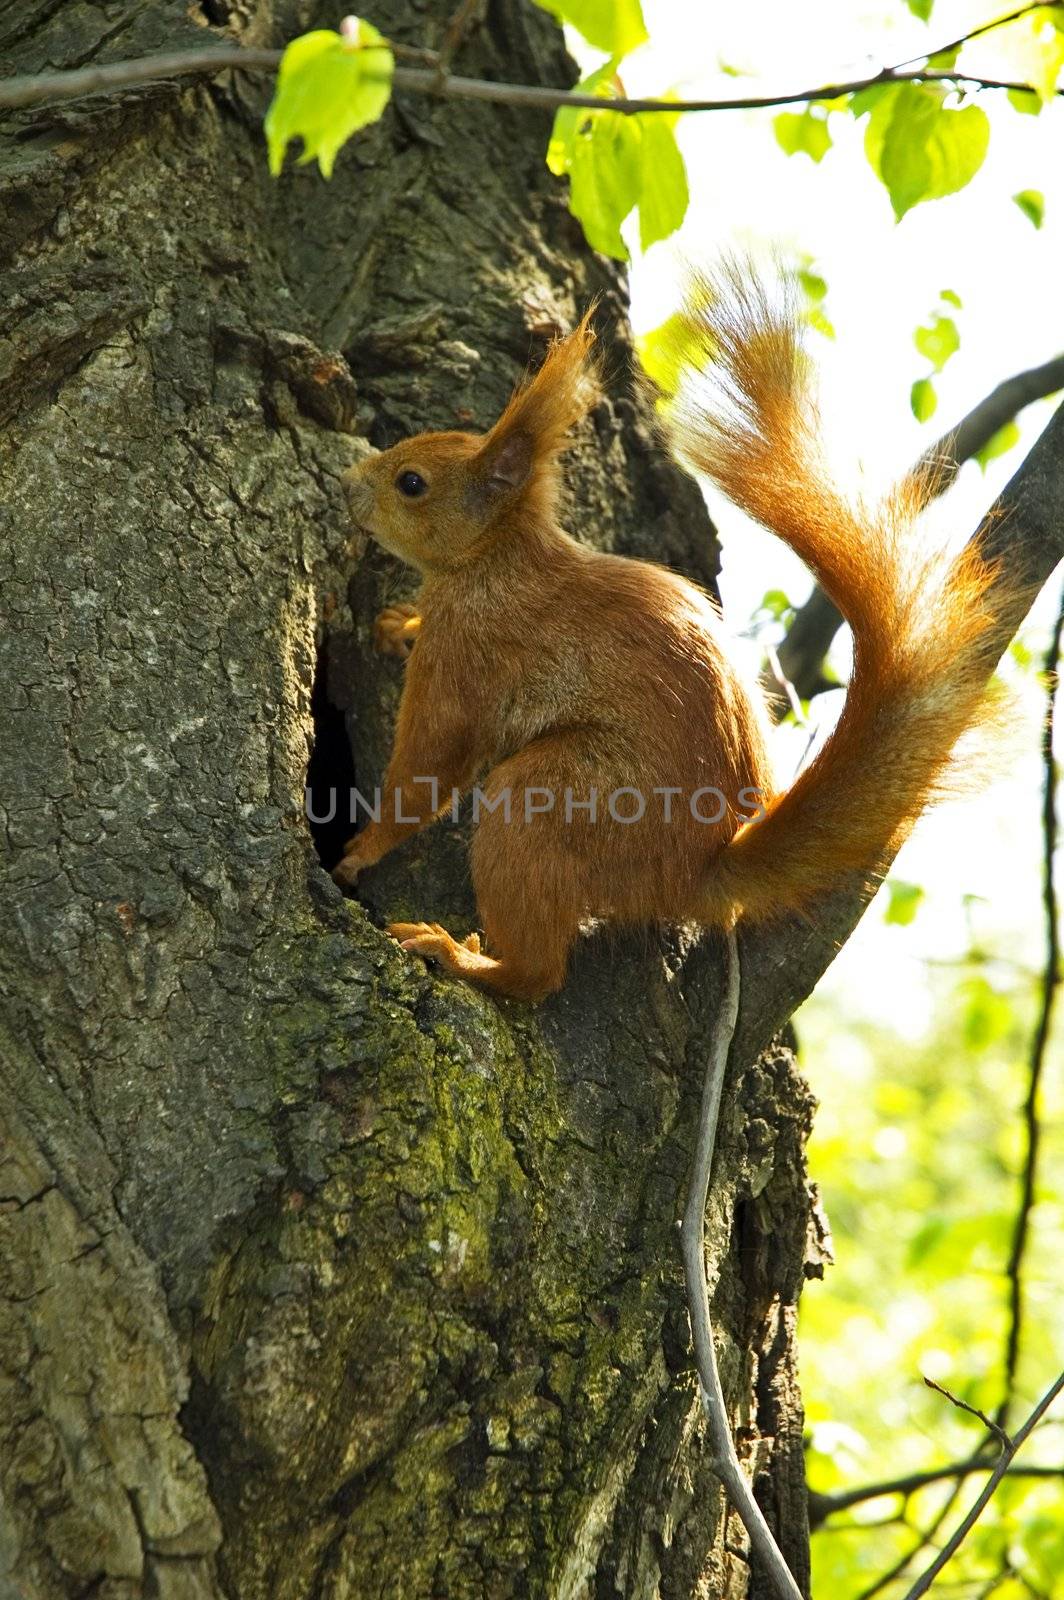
576, 679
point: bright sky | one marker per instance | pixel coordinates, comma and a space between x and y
883, 280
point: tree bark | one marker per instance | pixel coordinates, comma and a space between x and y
322, 1276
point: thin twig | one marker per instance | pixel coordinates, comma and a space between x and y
973, 1411
953, 1544
823, 1506
37, 88
725, 1462
1040, 1042
985, 27
463, 17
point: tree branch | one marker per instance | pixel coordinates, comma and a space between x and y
823, 1506
1039, 1044
47, 87
989, 416
924, 1537
815, 624
953, 1544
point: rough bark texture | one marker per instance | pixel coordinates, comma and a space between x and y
320, 1276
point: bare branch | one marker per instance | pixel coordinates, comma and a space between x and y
923, 1539
957, 1538
1040, 1042
725, 1462
802, 652
465, 14
47, 87
823, 1506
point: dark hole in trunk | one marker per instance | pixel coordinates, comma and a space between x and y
330, 771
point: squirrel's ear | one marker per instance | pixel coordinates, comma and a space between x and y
509, 462
534, 426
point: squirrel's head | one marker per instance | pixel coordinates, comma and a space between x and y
440, 500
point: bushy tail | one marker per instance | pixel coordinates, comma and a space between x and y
922, 625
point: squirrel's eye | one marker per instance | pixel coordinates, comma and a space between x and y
411, 484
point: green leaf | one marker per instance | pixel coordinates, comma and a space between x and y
663, 191
1035, 50
605, 177
938, 340
921, 8
921, 148
1024, 101
923, 399
903, 902
615, 163
951, 297
868, 98
814, 318
987, 1016
567, 119
615, 26
1001, 441
1032, 202
944, 60
601, 152
776, 604
802, 133
813, 286
328, 87
666, 350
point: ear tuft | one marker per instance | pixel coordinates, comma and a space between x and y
534, 428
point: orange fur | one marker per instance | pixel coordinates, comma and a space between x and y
551, 667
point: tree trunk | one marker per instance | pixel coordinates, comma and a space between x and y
322, 1276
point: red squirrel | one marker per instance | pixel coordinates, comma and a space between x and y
558, 671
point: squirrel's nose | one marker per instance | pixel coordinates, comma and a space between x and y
359, 493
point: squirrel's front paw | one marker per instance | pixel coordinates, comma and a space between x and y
396, 629
346, 871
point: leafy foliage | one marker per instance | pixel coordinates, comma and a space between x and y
919, 142
921, 147
328, 86
617, 163
615, 26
